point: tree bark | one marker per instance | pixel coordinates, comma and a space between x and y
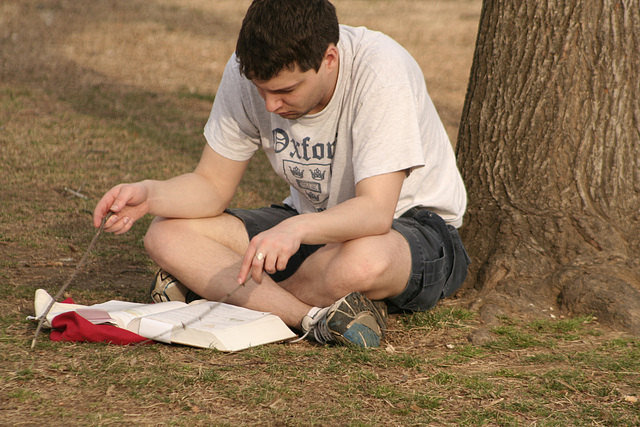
549, 146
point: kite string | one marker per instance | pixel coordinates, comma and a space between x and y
212, 307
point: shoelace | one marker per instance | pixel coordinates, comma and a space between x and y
319, 327
321, 331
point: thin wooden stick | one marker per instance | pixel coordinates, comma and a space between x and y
80, 264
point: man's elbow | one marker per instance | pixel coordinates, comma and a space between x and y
382, 224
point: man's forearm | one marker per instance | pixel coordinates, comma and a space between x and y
352, 219
185, 196
370, 213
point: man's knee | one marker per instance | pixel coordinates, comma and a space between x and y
360, 271
159, 236
165, 234
376, 273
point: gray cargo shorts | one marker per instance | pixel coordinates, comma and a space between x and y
439, 260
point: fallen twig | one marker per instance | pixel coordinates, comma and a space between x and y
75, 193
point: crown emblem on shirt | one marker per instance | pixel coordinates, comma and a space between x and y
297, 172
313, 197
317, 174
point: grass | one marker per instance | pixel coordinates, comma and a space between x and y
64, 123
453, 316
409, 387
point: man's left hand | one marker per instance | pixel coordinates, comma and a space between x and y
269, 251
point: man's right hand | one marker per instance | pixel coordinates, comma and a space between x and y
128, 202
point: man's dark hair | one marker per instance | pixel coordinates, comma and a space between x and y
278, 34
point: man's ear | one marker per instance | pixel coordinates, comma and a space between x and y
331, 57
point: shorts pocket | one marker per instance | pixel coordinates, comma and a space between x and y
434, 277
461, 263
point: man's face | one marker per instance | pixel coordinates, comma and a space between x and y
294, 93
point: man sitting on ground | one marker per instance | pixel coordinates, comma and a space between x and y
344, 117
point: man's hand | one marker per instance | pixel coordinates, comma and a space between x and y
128, 202
269, 251
369, 213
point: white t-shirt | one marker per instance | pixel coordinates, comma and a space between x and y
379, 120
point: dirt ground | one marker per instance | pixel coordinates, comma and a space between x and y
83, 88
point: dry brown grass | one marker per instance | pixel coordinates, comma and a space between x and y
95, 93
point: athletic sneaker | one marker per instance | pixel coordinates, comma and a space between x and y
352, 320
165, 287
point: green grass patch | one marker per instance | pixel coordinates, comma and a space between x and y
439, 317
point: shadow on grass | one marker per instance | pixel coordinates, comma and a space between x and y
66, 124
34, 29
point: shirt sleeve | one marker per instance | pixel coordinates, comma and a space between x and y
386, 133
231, 130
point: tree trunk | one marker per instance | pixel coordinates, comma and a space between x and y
549, 146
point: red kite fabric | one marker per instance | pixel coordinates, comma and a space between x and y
70, 326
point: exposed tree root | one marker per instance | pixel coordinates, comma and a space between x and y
608, 289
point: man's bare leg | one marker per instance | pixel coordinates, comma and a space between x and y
205, 255
376, 266
187, 250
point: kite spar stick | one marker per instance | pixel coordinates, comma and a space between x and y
80, 264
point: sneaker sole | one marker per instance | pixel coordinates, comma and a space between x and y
357, 321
